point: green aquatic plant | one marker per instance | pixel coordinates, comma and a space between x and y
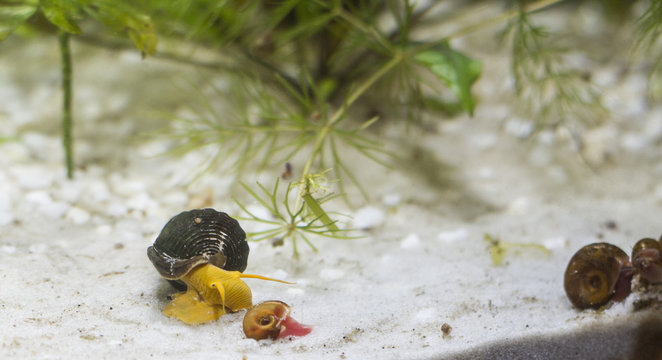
649, 28
554, 94
306, 82
295, 220
63, 17
273, 115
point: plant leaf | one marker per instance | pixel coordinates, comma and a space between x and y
61, 13
320, 214
120, 16
456, 70
13, 13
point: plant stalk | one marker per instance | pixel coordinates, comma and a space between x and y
337, 117
67, 117
530, 8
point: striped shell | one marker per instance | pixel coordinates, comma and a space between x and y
202, 236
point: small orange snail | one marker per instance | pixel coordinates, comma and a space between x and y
598, 273
647, 260
204, 252
271, 320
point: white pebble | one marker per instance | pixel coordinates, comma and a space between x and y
38, 197
104, 230
296, 291
141, 202
32, 177
114, 342
8, 249
6, 213
37, 143
70, 191
519, 128
116, 209
126, 187
55, 209
37, 248
426, 315
555, 242
45, 204
412, 241
14, 152
368, 217
452, 236
546, 137
540, 156
331, 274
484, 141
78, 216
485, 172
392, 199
175, 198
633, 142
519, 206
97, 191
557, 173
279, 274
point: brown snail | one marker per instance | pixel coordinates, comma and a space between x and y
272, 320
596, 274
204, 252
647, 259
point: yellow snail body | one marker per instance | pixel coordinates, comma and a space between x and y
596, 274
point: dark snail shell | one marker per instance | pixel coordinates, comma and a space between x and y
202, 236
598, 273
647, 259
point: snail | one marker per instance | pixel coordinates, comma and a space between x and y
204, 252
647, 259
598, 273
271, 320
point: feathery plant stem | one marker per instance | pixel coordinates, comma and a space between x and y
67, 117
506, 16
337, 117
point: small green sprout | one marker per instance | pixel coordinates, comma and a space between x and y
497, 248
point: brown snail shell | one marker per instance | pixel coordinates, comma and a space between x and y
647, 259
598, 273
196, 237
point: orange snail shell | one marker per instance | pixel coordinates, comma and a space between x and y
598, 273
271, 320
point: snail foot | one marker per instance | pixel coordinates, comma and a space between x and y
190, 308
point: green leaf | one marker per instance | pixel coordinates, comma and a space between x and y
143, 36
456, 70
320, 214
122, 17
13, 13
61, 14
